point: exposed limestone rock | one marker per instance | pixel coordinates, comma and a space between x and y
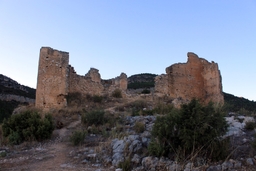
56, 78
197, 78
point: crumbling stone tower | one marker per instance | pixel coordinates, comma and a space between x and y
52, 84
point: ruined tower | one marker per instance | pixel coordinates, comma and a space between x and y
52, 84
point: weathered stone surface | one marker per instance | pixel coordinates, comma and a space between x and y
197, 78
94, 75
52, 85
249, 161
56, 78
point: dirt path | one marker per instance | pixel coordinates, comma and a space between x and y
51, 155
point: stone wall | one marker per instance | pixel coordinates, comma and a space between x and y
197, 78
56, 78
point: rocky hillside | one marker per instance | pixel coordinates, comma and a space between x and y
10, 86
13, 94
239, 104
141, 81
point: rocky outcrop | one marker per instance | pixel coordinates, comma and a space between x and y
56, 79
197, 78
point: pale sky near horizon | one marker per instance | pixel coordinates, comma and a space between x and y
131, 36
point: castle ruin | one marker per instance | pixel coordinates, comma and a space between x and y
197, 78
56, 79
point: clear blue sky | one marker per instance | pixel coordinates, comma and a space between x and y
131, 36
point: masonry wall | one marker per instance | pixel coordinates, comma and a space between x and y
91, 83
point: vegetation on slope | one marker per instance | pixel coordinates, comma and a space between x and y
239, 104
6, 109
9, 86
27, 126
141, 81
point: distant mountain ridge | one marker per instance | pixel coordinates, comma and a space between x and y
10, 86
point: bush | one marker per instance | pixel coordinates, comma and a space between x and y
125, 165
163, 108
93, 117
139, 127
145, 91
6, 109
74, 98
27, 126
97, 98
250, 125
191, 129
254, 142
77, 137
3, 154
117, 93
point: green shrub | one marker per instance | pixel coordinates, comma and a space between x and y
125, 165
74, 98
97, 98
77, 137
93, 117
254, 142
193, 128
162, 108
137, 104
3, 154
27, 126
139, 127
6, 109
117, 93
145, 91
250, 125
